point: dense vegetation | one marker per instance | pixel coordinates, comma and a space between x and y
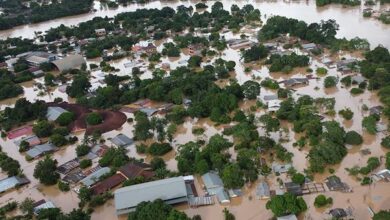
16, 13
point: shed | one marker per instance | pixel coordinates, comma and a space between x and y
54, 112
70, 62
222, 196
334, 184
212, 182
11, 182
122, 140
42, 204
31, 140
94, 177
293, 188
171, 190
40, 150
149, 111
281, 168
262, 191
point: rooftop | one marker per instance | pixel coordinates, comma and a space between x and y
108, 184
94, 177
122, 140
11, 182
54, 112
172, 190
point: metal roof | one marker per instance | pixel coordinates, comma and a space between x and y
212, 180
54, 112
11, 182
69, 62
165, 189
38, 150
94, 177
122, 140
46, 205
263, 190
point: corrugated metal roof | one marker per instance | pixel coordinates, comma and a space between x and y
166, 189
122, 140
94, 177
54, 112
212, 181
11, 182
69, 62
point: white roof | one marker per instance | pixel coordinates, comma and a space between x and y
54, 112
165, 189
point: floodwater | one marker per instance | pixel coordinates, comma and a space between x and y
350, 19
247, 207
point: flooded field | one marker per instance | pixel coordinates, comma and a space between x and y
246, 207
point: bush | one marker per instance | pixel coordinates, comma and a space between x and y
58, 140
356, 91
65, 118
64, 187
82, 150
330, 81
386, 142
94, 118
321, 201
353, 138
85, 163
321, 71
298, 178
346, 113
141, 149
159, 149
43, 128
157, 163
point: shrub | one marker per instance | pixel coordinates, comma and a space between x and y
330, 81
321, 201
353, 138
321, 71
58, 140
141, 149
356, 91
65, 118
298, 178
85, 163
64, 187
94, 118
82, 150
386, 142
159, 149
157, 163
346, 113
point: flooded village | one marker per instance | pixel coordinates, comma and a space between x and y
198, 110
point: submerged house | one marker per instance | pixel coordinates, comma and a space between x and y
12, 182
293, 188
94, 177
42, 204
288, 217
122, 140
214, 186
263, 191
172, 191
54, 112
40, 150
334, 183
136, 169
295, 82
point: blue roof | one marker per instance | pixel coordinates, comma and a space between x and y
94, 177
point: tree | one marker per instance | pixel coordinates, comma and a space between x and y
382, 215
251, 89
353, 138
330, 81
232, 176
298, 178
49, 213
58, 140
228, 215
82, 150
386, 142
85, 194
46, 171
65, 118
255, 53
142, 126
194, 61
369, 123
321, 201
157, 163
27, 206
43, 128
94, 118
156, 210
286, 204
159, 149
79, 87
346, 113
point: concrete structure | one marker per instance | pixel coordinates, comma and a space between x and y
273, 105
54, 112
36, 58
122, 140
172, 191
281, 168
70, 62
